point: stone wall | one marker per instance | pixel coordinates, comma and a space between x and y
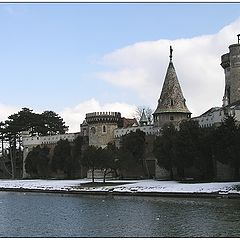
100, 134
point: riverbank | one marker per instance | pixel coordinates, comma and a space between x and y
126, 188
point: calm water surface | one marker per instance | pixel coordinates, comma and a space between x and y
54, 215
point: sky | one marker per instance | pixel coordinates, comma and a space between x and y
85, 57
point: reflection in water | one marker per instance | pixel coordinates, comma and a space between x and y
54, 215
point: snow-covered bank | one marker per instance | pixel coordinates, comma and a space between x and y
133, 186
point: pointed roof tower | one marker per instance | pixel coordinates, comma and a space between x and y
143, 120
171, 100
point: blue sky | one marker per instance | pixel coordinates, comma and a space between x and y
61, 56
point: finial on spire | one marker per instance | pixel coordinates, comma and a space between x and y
238, 38
171, 50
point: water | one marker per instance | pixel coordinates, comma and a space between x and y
55, 215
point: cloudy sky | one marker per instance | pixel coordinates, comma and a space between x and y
79, 58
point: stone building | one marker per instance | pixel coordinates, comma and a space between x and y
230, 62
100, 126
171, 104
105, 127
171, 108
231, 65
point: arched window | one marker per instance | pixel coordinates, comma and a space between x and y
172, 102
104, 129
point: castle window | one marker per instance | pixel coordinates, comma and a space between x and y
104, 129
93, 130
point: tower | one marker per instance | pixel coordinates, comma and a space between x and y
231, 65
171, 104
101, 127
143, 120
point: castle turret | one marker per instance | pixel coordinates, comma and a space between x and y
101, 127
171, 104
231, 65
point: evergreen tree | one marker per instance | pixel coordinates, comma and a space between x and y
62, 158
186, 146
227, 144
204, 161
53, 123
163, 148
37, 162
133, 148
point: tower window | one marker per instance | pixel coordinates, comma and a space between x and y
171, 118
93, 130
172, 102
104, 129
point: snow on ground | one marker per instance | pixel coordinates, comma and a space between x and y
173, 186
131, 186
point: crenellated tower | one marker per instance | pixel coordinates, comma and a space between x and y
231, 65
101, 126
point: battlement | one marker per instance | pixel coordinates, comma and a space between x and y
225, 60
236, 45
95, 114
103, 117
50, 139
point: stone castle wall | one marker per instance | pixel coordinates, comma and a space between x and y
29, 142
100, 134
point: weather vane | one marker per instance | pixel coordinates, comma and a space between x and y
171, 50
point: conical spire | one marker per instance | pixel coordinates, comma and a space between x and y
143, 120
171, 98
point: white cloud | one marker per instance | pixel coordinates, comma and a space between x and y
74, 116
142, 67
6, 111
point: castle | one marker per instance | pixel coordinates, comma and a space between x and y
102, 128
230, 62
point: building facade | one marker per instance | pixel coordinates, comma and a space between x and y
230, 62
100, 126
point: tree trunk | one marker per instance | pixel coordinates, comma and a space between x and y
214, 164
93, 174
104, 175
2, 146
12, 162
148, 174
236, 170
171, 173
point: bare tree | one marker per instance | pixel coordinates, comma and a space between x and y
148, 112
